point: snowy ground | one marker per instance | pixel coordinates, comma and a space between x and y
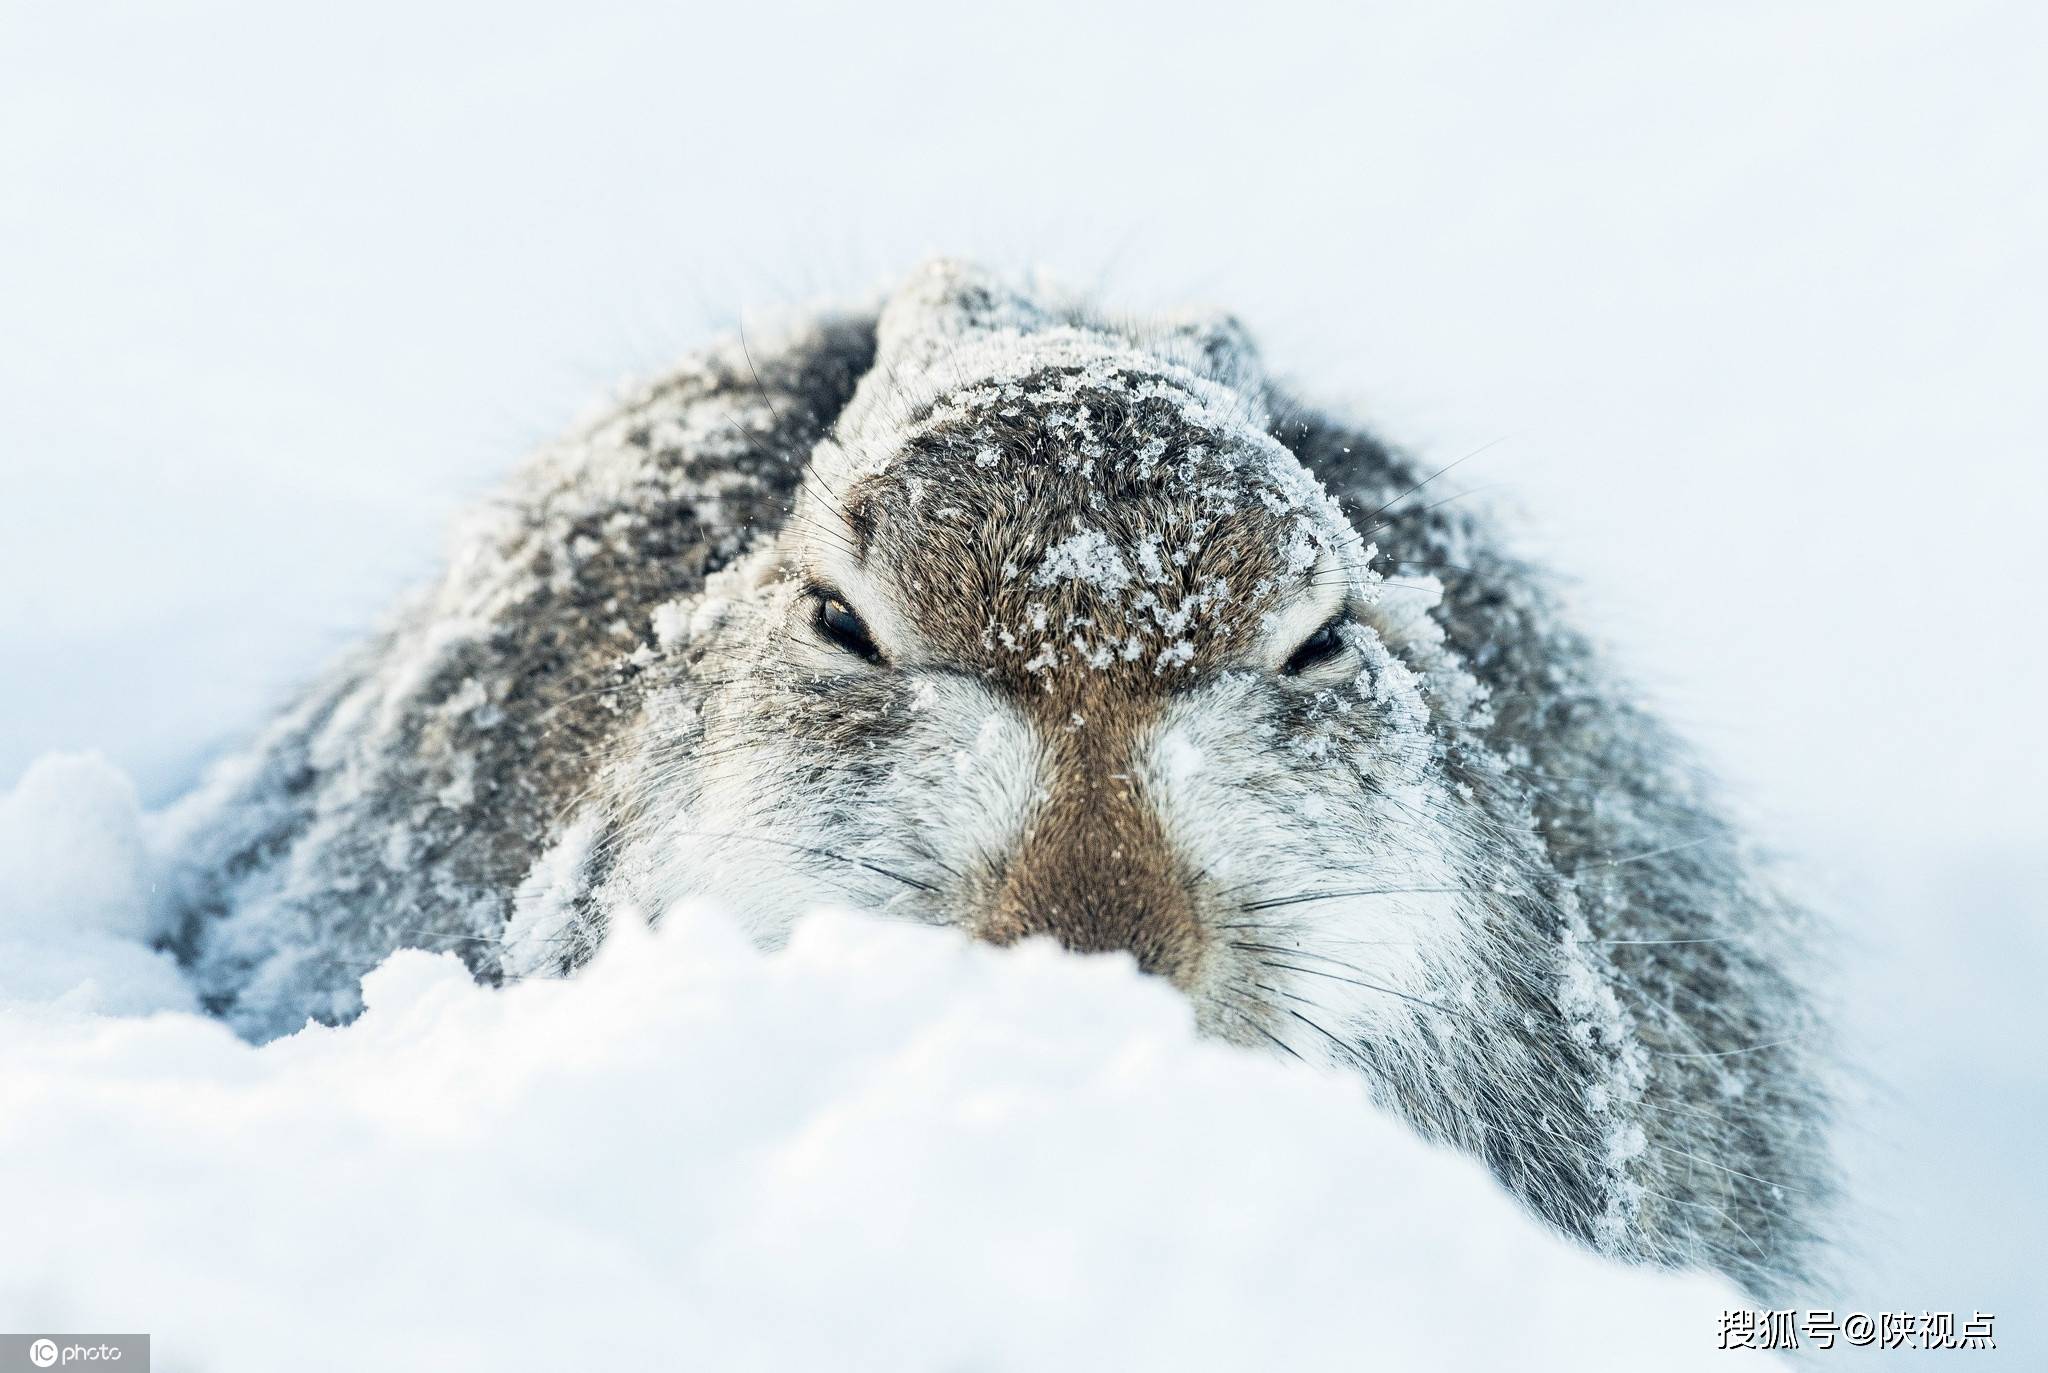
1747, 301
882, 1148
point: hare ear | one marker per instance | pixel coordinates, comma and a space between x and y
925, 326
946, 301
1217, 345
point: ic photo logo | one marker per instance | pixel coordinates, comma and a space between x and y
45, 1352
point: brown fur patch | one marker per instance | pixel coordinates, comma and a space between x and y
945, 517
1095, 871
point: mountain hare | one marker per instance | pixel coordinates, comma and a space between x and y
983, 610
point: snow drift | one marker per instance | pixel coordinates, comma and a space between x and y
880, 1147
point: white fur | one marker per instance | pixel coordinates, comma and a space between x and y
1260, 825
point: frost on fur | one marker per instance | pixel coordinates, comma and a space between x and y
1127, 649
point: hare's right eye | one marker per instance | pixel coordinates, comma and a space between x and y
839, 625
1318, 648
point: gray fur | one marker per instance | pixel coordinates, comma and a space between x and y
527, 754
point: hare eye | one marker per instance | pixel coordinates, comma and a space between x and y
839, 625
1319, 647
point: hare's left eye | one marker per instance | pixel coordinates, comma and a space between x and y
838, 624
1319, 647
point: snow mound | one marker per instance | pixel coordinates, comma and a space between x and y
880, 1147
75, 903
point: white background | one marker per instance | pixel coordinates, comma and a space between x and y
1747, 299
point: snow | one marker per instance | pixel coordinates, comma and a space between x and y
678, 622
1748, 302
82, 807
75, 909
881, 1147
1088, 555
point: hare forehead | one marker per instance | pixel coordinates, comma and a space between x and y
980, 567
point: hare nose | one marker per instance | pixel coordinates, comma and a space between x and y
1095, 872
